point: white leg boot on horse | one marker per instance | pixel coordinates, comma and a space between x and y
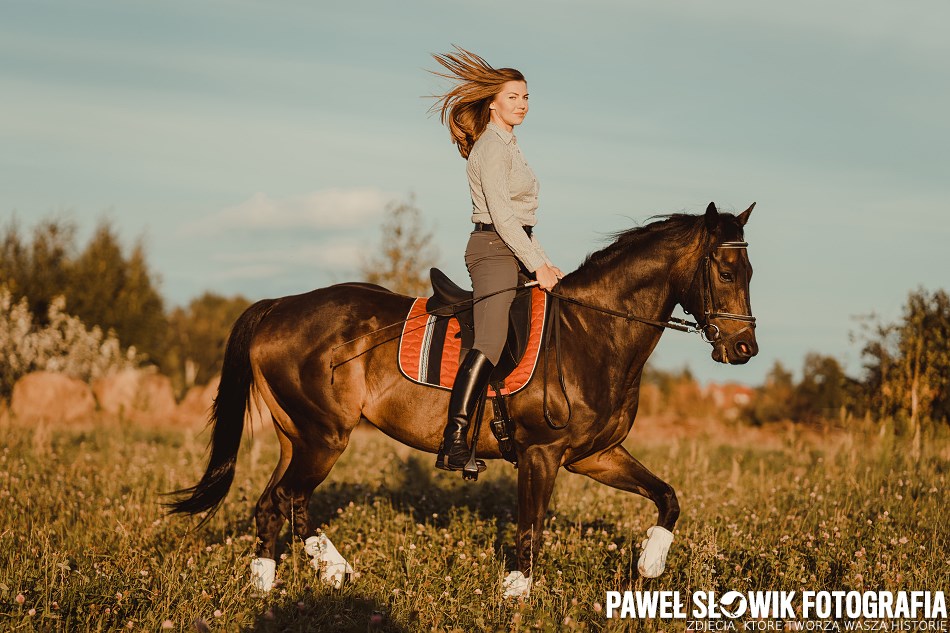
656, 546
329, 563
263, 572
516, 585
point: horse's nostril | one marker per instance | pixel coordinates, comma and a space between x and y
743, 349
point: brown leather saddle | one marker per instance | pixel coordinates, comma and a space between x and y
449, 299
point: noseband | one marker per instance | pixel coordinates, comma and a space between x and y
710, 331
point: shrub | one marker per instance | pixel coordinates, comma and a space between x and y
62, 345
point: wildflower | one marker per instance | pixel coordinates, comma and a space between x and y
218, 613
597, 607
168, 624
478, 592
20, 598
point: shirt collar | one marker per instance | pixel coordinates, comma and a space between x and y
506, 136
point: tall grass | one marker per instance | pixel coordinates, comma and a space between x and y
85, 543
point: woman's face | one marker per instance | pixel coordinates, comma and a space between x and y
510, 106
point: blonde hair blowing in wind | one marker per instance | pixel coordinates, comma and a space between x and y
465, 108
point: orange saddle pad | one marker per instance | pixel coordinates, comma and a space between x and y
430, 346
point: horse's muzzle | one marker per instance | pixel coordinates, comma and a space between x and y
735, 352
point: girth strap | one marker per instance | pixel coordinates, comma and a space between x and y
502, 427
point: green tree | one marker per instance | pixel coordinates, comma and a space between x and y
907, 363
772, 400
117, 293
197, 338
823, 391
405, 254
39, 270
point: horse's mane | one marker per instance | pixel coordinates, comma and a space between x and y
684, 231
673, 228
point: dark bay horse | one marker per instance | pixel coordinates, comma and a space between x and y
284, 349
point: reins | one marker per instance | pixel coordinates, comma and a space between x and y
681, 325
673, 323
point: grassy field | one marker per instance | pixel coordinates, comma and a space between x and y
85, 544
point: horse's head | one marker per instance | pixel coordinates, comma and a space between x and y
719, 293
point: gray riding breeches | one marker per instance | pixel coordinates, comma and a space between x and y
492, 267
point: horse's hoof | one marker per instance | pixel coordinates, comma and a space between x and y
327, 561
263, 572
516, 585
652, 561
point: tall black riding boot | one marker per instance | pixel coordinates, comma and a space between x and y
470, 383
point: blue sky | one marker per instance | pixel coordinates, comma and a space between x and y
255, 144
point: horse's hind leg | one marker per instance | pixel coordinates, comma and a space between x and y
293, 494
268, 517
287, 497
269, 520
619, 469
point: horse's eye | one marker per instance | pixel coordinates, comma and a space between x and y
726, 276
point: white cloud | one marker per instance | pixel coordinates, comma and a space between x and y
338, 255
325, 209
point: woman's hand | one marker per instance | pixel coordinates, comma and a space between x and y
548, 276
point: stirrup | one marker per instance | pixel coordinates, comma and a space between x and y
442, 463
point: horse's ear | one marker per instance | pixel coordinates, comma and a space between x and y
744, 216
712, 216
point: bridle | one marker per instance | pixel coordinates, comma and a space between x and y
710, 331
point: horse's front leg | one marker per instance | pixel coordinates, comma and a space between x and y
619, 469
537, 469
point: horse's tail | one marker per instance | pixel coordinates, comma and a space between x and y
227, 417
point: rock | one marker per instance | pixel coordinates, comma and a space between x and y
136, 392
197, 402
51, 397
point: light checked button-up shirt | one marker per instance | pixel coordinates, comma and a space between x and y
505, 193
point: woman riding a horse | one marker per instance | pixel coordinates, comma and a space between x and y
481, 112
